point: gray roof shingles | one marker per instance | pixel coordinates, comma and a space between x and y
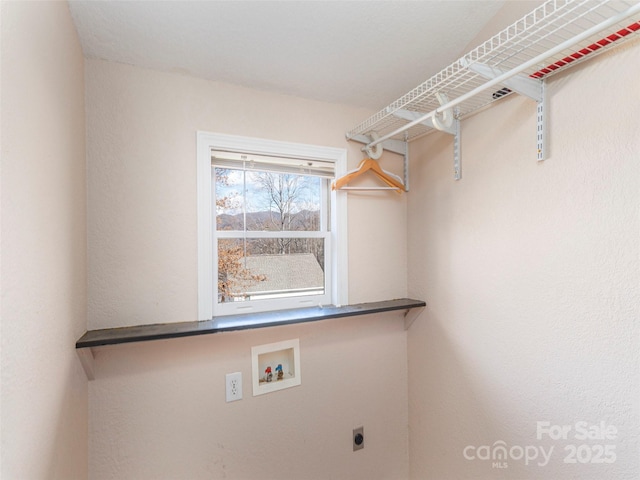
285, 272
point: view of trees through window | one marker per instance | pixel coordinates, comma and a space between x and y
270, 240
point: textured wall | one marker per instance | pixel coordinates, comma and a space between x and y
141, 127
531, 274
44, 390
157, 409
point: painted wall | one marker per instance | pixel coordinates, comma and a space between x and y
44, 389
531, 275
141, 127
158, 409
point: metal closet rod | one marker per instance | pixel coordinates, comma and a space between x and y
514, 71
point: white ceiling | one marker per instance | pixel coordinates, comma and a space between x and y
363, 53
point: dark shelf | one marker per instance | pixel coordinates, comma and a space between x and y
228, 323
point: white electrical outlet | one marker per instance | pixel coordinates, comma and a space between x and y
234, 386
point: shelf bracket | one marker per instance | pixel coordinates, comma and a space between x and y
410, 316
86, 359
541, 127
527, 86
453, 129
406, 161
457, 167
532, 88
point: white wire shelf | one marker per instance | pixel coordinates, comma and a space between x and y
547, 29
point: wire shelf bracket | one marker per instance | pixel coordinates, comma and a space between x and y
531, 87
541, 126
457, 158
453, 129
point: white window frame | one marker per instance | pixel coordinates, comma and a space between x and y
207, 256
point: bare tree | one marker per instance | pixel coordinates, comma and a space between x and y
282, 193
233, 277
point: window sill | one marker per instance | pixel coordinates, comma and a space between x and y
228, 323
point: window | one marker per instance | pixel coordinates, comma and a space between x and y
269, 226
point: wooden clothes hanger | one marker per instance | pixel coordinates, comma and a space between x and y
367, 165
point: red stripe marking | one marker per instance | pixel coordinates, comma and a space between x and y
634, 27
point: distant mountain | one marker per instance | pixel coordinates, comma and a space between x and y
302, 220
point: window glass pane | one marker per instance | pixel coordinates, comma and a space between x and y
229, 199
274, 201
256, 269
282, 202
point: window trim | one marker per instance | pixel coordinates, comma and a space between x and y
206, 142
